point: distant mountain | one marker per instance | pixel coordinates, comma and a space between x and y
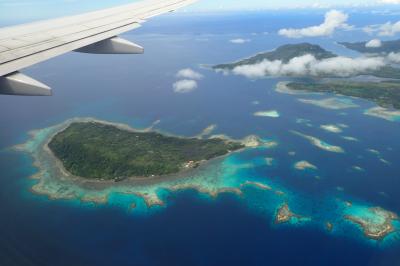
386, 47
284, 53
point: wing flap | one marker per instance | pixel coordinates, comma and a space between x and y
34, 58
25, 45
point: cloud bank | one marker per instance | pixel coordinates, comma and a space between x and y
394, 57
387, 29
185, 86
308, 65
334, 20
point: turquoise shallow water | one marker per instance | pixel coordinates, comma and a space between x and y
193, 228
241, 173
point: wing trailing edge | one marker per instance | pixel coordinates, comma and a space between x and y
96, 32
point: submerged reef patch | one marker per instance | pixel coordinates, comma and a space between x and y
349, 138
332, 128
376, 222
333, 103
304, 165
384, 113
319, 143
270, 113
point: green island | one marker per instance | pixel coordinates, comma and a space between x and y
222, 175
284, 53
287, 52
94, 150
386, 47
385, 93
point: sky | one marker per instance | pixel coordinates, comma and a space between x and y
13, 10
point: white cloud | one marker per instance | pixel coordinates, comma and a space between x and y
370, 29
240, 41
334, 20
387, 29
394, 58
308, 65
188, 73
375, 43
185, 86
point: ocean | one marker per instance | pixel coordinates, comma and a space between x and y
193, 228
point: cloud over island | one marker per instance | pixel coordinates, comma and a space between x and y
308, 65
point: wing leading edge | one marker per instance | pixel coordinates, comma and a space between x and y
95, 32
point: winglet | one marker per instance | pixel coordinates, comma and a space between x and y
20, 84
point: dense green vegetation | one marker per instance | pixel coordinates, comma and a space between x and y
386, 47
95, 150
386, 72
284, 53
385, 94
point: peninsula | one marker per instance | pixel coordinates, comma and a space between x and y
385, 93
95, 150
385, 47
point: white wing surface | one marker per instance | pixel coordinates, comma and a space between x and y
96, 32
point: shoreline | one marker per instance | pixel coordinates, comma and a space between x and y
51, 169
138, 179
212, 178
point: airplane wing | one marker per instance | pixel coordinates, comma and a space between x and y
96, 32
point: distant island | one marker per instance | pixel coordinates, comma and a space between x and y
288, 52
385, 47
385, 93
284, 53
94, 150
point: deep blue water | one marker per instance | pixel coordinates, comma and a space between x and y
193, 230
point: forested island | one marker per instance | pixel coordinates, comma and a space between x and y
284, 54
386, 93
94, 150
